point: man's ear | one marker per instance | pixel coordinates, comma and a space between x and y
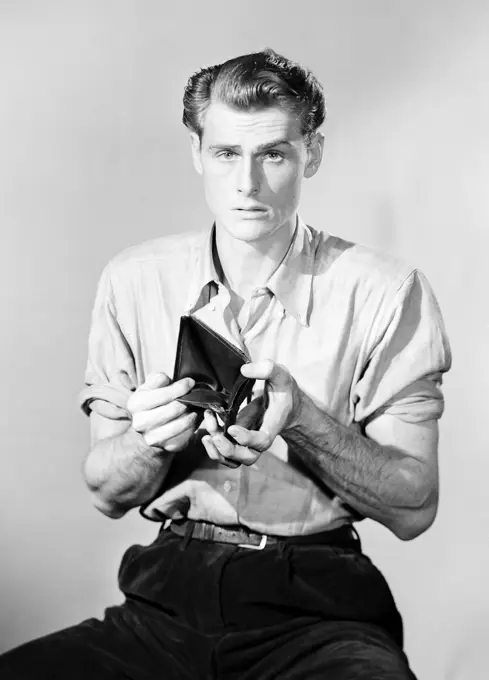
195, 145
314, 154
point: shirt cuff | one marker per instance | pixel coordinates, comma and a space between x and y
106, 400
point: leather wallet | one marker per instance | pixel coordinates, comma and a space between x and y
214, 364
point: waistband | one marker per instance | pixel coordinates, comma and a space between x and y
344, 536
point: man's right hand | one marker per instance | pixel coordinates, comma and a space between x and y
158, 417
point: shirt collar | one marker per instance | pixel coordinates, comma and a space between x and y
291, 282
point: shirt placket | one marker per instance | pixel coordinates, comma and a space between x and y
260, 335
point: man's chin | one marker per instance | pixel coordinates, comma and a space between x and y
248, 230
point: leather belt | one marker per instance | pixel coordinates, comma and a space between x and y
345, 536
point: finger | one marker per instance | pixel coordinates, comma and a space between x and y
231, 451
153, 380
213, 453
143, 421
251, 415
266, 369
210, 422
145, 399
182, 440
161, 435
260, 440
239, 454
223, 445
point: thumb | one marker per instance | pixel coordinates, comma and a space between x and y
268, 370
155, 380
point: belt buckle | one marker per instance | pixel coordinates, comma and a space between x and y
250, 546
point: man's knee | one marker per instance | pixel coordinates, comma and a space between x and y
366, 661
63, 654
346, 651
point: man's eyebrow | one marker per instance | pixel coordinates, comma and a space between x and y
270, 145
259, 149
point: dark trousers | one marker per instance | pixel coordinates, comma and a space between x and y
197, 609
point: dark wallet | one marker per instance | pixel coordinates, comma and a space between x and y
214, 364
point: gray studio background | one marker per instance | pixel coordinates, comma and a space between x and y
93, 158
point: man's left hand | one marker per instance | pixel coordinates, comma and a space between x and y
283, 400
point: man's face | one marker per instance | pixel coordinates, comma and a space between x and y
253, 164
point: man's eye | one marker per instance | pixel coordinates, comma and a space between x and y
274, 156
226, 155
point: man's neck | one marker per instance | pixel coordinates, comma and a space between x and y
246, 266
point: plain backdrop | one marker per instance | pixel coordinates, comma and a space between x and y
93, 158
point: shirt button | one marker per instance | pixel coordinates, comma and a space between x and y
212, 307
227, 486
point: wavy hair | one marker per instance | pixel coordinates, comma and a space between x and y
255, 81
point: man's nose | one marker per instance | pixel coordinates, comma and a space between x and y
248, 179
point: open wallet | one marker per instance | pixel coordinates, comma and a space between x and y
214, 364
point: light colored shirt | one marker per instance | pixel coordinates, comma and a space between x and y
361, 333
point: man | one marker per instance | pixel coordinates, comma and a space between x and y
256, 571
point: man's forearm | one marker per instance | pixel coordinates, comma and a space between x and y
123, 472
380, 482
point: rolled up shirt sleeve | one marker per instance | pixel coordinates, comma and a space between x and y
403, 374
110, 375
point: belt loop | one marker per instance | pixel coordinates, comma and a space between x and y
281, 549
187, 536
284, 554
